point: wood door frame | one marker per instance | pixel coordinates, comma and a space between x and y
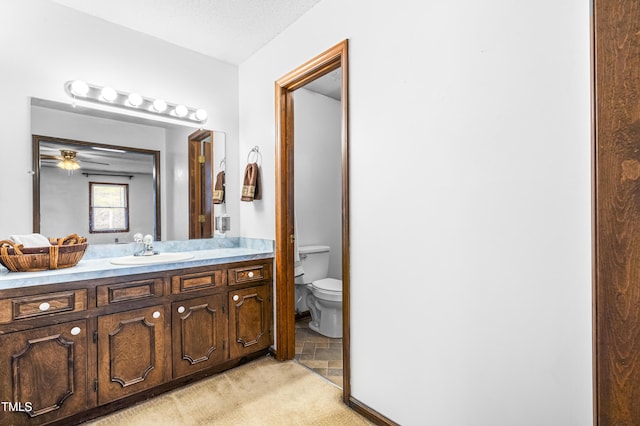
616, 212
332, 59
200, 157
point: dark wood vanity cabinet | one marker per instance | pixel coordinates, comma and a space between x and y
43, 374
199, 334
249, 320
130, 352
72, 351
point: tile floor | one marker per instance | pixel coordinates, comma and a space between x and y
320, 354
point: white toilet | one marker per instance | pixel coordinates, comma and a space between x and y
323, 296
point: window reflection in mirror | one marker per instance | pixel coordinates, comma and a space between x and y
108, 207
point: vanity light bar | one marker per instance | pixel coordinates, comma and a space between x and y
133, 101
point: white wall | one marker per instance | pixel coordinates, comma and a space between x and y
176, 184
64, 201
74, 189
318, 174
475, 308
46, 44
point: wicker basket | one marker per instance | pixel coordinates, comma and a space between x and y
63, 253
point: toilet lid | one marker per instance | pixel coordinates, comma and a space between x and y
328, 284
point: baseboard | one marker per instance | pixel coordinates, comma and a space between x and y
369, 413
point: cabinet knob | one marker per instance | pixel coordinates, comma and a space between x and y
75, 331
44, 306
156, 314
181, 309
236, 298
250, 274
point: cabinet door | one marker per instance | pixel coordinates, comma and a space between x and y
130, 352
250, 316
199, 333
43, 374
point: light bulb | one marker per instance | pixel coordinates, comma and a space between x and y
201, 115
79, 88
181, 110
159, 105
69, 165
135, 99
109, 94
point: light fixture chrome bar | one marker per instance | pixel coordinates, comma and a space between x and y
106, 95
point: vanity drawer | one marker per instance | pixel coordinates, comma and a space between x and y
24, 307
247, 274
134, 290
197, 281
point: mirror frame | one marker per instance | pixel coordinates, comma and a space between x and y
36, 139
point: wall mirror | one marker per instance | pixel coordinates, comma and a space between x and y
149, 158
65, 200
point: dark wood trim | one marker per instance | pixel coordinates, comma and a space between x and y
157, 191
594, 219
91, 212
370, 414
35, 193
285, 303
616, 193
334, 58
201, 183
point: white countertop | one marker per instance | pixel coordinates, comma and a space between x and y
94, 268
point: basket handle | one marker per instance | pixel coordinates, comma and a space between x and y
8, 243
53, 256
71, 239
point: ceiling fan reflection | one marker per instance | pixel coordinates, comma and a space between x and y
68, 160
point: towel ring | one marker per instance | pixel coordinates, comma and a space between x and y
223, 164
258, 156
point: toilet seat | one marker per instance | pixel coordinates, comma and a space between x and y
327, 289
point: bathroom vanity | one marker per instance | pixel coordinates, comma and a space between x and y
98, 337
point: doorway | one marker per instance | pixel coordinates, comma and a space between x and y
333, 59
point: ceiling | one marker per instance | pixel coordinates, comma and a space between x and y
228, 30
92, 160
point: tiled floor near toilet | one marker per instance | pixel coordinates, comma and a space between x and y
321, 354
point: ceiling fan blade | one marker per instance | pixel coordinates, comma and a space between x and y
93, 162
50, 157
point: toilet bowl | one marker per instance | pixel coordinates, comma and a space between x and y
320, 295
325, 304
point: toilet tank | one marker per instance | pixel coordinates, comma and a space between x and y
315, 262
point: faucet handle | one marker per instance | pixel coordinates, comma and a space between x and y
148, 239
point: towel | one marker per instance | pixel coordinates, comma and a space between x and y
251, 187
30, 240
218, 192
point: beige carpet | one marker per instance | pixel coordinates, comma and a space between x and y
262, 392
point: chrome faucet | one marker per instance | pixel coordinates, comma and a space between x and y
146, 243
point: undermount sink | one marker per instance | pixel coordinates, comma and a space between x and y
150, 260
